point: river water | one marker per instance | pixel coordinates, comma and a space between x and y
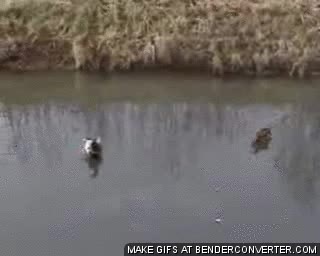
177, 164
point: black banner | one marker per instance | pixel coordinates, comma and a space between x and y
191, 249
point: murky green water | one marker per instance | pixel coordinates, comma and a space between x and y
176, 158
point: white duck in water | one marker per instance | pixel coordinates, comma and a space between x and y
92, 147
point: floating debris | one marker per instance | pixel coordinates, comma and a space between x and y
218, 220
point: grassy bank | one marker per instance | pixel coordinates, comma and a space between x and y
234, 36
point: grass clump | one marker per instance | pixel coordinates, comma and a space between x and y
235, 36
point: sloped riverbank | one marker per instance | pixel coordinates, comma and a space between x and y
223, 37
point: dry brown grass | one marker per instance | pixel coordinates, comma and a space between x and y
234, 36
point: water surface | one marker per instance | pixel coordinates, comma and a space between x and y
176, 158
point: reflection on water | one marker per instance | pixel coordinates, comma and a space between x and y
94, 165
298, 156
170, 169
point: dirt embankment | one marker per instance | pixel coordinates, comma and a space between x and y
236, 36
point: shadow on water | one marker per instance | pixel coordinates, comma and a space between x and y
174, 162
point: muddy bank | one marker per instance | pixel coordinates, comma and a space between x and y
233, 37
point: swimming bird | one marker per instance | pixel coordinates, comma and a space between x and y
92, 147
262, 139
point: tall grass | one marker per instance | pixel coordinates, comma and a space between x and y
234, 36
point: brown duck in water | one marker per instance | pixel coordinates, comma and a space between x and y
262, 140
